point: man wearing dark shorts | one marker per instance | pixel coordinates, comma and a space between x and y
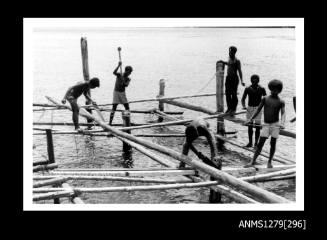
74, 92
119, 94
255, 93
232, 81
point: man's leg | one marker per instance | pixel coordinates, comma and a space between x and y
250, 133
257, 135
126, 105
185, 151
257, 152
272, 151
75, 110
112, 114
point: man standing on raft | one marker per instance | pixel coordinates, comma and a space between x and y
232, 81
255, 93
271, 105
119, 95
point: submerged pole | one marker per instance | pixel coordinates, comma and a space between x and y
127, 149
161, 94
51, 155
220, 67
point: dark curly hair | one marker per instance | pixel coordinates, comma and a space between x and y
275, 85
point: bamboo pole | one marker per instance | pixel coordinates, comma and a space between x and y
253, 151
124, 169
281, 132
164, 115
256, 169
254, 191
220, 70
124, 173
165, 98
161, 94
260, 177
189, 106
148, 153
113, 178
42, 162
52, 181
234, 195
73, 199
55, 107
132, 188
45, 167
53, 195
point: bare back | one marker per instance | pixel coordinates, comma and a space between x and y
272, 107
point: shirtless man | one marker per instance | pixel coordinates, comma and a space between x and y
232, 80
74, 92
119, 94
272, 106
199, 127
255, 93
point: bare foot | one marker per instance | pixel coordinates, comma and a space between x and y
269, 165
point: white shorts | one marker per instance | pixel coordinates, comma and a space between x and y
270, 129
251, 111
119, 97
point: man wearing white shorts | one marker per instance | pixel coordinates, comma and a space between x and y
255, 93
272, 105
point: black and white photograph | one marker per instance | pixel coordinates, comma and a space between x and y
164, 114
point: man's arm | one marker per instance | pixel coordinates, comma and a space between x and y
243, 98
116, 69
240, 72
88, 97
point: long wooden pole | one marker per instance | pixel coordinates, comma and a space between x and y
132, 188
53, 195
148, 153
161, 94
189, 106
45, 167
254, 191
281, 132
220, 67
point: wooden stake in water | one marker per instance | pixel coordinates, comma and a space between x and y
51, 155
220, 66
161, 94
85, 63
127, 149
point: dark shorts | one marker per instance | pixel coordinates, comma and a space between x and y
231, 83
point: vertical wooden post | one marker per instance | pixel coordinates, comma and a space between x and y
85, 64
161, 94
220, 67
50, 146
51, 154
127, 149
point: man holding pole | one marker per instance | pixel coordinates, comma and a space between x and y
122, 81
